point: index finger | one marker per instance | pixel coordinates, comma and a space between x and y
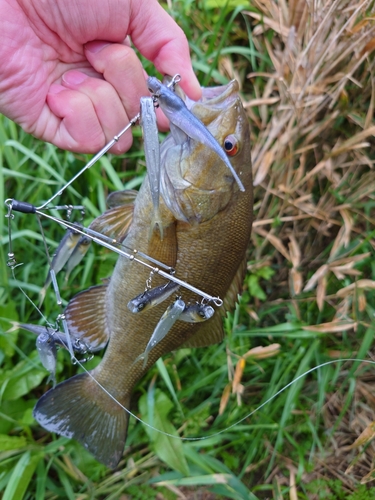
156, 35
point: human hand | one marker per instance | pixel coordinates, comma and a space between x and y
68, 74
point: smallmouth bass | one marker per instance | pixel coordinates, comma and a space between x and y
205, 221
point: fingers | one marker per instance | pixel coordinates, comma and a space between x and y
96, 109
91, 110
74, 124
162, 41
120, 67
109, 110
90, 113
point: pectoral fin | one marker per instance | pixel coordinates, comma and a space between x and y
164, 250
115, 222
86, 318
178, 135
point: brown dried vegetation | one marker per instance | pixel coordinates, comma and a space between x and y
313, 161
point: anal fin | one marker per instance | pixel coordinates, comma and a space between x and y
211, 332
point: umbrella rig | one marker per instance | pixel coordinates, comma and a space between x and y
77, 235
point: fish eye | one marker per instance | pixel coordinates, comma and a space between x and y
141, 306
230, 145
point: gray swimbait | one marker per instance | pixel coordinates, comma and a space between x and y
178, 114
152, 155
77, 255
195, 313
152, 297
59, 338
166, 322
60, 257
47, 351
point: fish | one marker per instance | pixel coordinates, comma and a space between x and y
152, 156
152, 297
180, 117
206, 220
169, 318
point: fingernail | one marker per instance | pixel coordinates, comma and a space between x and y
74, 77
96, 46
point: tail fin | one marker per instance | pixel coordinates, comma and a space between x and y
78, 408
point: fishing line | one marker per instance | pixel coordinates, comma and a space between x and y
208, 436
27, 297
250, 414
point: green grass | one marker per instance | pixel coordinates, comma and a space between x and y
182, 393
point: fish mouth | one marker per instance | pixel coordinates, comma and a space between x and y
217, 98
214, 95
214, 101
220, 93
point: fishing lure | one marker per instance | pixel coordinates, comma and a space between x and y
195, 313
63, 253
152, 297
46, 344
166, 322
152, 155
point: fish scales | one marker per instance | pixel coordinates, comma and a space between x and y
207, 247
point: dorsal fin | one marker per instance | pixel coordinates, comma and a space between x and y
86, 318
